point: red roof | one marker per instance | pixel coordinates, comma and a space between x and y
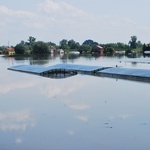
99, 46
10, 49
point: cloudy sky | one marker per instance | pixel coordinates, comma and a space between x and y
104, 21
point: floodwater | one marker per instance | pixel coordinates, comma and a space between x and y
81, 112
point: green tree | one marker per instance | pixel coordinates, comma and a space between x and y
73, 45
1, 49
85, 48
133, 42
64, 44
139, 44
109, 50
40, 48
146, 47
121, 46
52, 44
20, 49
90, 42
31, 40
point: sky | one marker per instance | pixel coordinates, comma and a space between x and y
103, 21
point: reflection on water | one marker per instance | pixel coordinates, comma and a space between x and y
60, 75
19, 120
81, 112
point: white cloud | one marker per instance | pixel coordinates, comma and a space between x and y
60, 8
5, 11
58, 20
18, 24
50, 6
52, 21
10, 14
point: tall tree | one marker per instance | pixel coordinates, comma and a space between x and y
73, 45
64, 44
90, 43
133, 42
31, 40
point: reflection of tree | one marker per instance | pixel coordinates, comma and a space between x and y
21, 57
64, 58
69, 57
73, 56
119, 55
146, 55
134, 63
131, 55
109, 54
39, 59
95, 55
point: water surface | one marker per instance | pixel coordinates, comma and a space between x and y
81, 112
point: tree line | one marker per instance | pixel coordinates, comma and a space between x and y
31, 46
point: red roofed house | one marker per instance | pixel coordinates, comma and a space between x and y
10, 50
101, 49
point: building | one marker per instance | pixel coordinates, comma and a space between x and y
10, 51
101, 49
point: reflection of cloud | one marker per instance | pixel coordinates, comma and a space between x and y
2, 75
18, 140
79, 106
51, 91
62, 89
125, 116
19, 120
5, 88
82, 118
71, 132
54, 91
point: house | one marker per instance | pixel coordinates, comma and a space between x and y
10, 50
61, 51
101, 49
52, 49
